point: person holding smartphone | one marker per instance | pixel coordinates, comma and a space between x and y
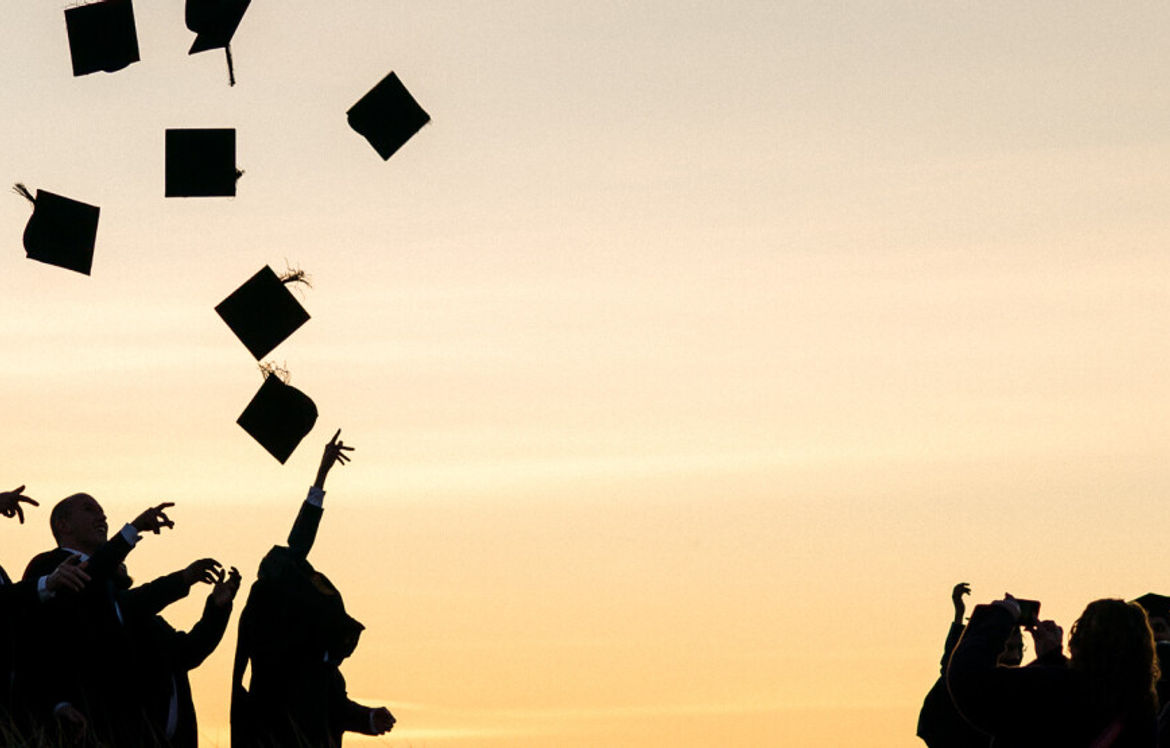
1103, 698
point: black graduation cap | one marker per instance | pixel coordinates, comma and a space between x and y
101, 36
201, 162
278, 417
214, 22
387, 116
262, 312
61, 231
1155, 605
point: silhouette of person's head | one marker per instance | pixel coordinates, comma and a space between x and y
1157, 608
1112, 644
78, 522
309, 602
1013, 650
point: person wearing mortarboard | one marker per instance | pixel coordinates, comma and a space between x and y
1157, 609
295, 633
17, 599
78, 674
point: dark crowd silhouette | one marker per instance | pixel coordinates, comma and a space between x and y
86, 657
88, 660
1107, 692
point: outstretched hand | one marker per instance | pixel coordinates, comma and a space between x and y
227, 584
154, 518
335, 452
69, 575
10, 503
206, 570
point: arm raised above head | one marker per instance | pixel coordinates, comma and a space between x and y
304, 529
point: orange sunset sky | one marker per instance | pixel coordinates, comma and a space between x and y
691, 354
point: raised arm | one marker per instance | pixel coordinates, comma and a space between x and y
194, 646
304, 530
956, 629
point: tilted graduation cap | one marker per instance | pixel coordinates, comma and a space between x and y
101, 36
278, 417
201, 162
1155, 604
215, 22
387, 116
262, 312
61, 231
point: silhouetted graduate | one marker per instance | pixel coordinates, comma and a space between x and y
167, 656
939, 723
17, 601
78, 668
294, 632
61, 231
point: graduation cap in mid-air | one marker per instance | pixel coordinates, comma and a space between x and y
201, 162
278, 417
101, 36
61, 231
262, 312
214, 23
387, 116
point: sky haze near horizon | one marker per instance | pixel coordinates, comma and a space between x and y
691, 354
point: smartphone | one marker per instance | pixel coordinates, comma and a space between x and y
1029, 612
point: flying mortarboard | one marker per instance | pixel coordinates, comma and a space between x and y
61, 231
262, 312
214, 23
101, 36
387, 116
278, 417
201, 162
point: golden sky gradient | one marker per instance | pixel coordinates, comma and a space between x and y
692, 353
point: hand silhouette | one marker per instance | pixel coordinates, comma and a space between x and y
154, 518
10, 503
382, 720
206, 570
334, 453
1047, 636
226, 587
962, 588
69, 575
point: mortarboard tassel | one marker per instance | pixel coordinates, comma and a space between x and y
227, 50
295, 275
273, 369
21, 190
